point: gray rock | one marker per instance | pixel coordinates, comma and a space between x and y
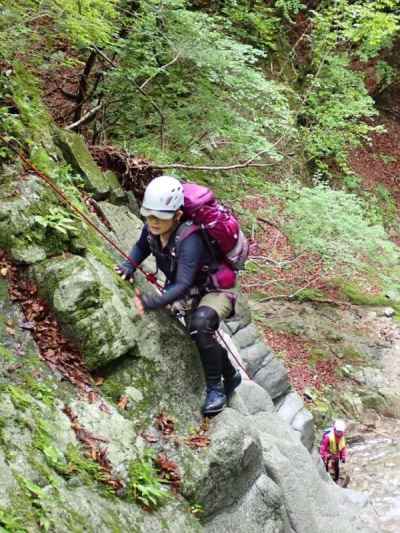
303, 422
290, 406
90, 306
126, 227
360, 499
75, 151
312, 505
252, 399
273, 377
254, 356
246, 336
259, 511
234, 462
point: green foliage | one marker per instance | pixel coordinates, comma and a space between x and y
85, 467
252, 22
335, 99
11, 522
59, 220
19, 397
144, 485
332, 223
336, 103
24, 23
371, 25
211, 100
289, 8
386, 74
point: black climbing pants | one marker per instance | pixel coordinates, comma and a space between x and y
203, 323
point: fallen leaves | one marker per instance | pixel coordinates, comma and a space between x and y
198, 441
165, 424
54, 348
94, 451
123, 402
296, 353
168, 471
200, 438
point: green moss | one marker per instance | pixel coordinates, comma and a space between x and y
40, 390
6, 354
351, 355
356, 296
27, 96
19, 397
317, 355
309, 295
43, 441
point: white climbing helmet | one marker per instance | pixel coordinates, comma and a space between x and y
162, 198
340, 426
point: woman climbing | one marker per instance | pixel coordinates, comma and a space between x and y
333, 448
185, 257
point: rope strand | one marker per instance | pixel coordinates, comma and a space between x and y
151, 277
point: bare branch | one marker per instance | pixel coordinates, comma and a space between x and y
216, 168
164, 67
86, 118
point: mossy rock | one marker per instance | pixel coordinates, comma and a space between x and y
76, 153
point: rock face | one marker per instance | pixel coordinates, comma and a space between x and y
255, 475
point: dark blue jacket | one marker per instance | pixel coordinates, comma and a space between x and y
182, 271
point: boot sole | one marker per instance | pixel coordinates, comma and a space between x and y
214, 412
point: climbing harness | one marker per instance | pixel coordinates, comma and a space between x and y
150, 276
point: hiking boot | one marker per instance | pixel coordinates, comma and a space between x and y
215, 400
232, 383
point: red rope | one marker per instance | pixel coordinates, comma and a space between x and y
239, 364
151, 277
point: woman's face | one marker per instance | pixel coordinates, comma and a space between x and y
158, 226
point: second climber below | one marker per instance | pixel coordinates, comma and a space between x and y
186, 266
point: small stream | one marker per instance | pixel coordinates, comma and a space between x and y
374, 468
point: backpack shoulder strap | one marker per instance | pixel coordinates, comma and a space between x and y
183, 232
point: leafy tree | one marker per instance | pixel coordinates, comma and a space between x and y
183, 87
333, 224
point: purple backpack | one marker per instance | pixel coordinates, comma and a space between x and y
222, 230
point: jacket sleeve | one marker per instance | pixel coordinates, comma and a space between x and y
191, 253
138, 254
324, 448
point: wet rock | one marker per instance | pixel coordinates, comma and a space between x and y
360, 499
